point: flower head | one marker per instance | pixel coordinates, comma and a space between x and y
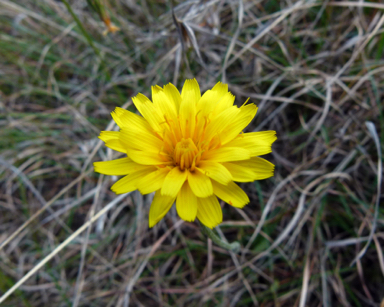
189, 148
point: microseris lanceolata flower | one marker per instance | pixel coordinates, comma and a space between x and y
187, 148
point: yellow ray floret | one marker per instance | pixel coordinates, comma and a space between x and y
187, 148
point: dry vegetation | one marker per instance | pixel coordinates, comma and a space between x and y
311, 236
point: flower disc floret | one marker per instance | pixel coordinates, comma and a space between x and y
187, 148
186, 155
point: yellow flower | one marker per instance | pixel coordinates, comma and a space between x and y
189, 148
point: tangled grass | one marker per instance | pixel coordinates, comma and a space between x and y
311, 236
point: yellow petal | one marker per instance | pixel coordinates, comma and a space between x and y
220, 89
173, 182
225, 102
148, 158
226, 154
190, 92
111, 139
140, 139
173, 95
118, 167
231, 194
187, 120
219, 123
116, 145
153, 181
210, 98
240, 173
149, 112
125, 118
163, 104
200, 184
108, 135
209, 211
186, 203
187, 113
261, 168
216, 171
129, 182
159, 207
258, 143
238, 123
116, 117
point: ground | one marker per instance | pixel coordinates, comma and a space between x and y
312, 235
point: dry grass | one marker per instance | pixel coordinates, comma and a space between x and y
311, 236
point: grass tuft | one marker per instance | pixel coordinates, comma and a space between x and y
315, 70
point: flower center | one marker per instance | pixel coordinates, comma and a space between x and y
186, 154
